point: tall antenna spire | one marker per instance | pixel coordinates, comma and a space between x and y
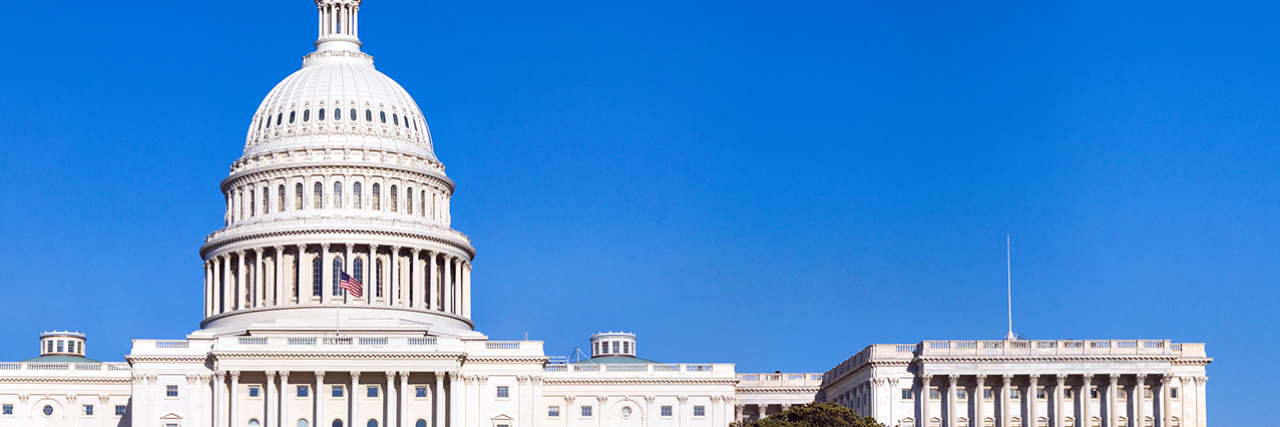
1008, 258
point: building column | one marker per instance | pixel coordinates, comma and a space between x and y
923, 398
353, 400
415, 280
978, 398
1086, 399
1188, 404
1112, 412
456, 395
278, 296
219, 284
269, 390
283, 404
393, 285
1165, 420
539, 413
1059, 393
1201, 419
219, 399
438, 397
524, 394
303, 289
455, 303
473, 399
346, 268
466, 290
433, 295
1005, 388
1140, 401
950, 399
389, 401
326, 276
208, 290
404, 399
715, 411
445, 279
1032, 399
235, 399
317, 399
680, 415
241, 289
259, 291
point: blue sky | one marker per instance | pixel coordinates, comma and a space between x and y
772, 184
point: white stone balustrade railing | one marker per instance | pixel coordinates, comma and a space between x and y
681, 369
1052, 348
341, 342
779, 380
47, 366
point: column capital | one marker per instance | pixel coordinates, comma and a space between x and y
522, 379
240, 253
415, 251
440, 376
536, 380
1034, 378
953, 379
257, 251
284, 376
569, 399
279, 248
1115, 379
980, 379
728, 399
651, 398
1141, 378
1165, 379
271, 376
605, 399
235, 375
1088, 377
355, 376
325, 246
682, 399
1007, 379
925, 378
715, 400
1062, 380
319, 375
482, 379
1201, 380
893, 382
220, 376
404, 375
391, 376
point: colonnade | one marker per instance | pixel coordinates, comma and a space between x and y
1061, 404
410, 278
339, 19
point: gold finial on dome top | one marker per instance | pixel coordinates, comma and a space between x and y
339, 25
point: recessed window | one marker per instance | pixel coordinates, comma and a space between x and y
377, 197
986, 393
87, 410
626, 412
297, 197
337, 278
337, 391
383, 115
318, 197
254, 391
303, 391
503, 392
292, 114
279, 119
408, 201
394, 204
48, 410
368, 115
626, 347
1093, 393
171, 391
907, 394
419, 392
1040, 394
6, 410
699, 411
120, 410
420, 423
395, 119
254, 423
337, 195
371, 392
320, 114
933, 394
1173, 392
666, 411
317, 278
306, 115
353, 114
268, 122
586, 411
337, 423
302, 423
355, 191
961, 394
372, 423
1013, 393
337, 114
553, 411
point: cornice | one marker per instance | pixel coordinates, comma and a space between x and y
165, 359
49, 380
538, 360
320, 167
216, 243
266, 355
637, 381
1046, 359
754, 390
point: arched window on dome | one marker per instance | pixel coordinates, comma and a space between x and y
297, 197
406, 122
357, 203
318, 196
415, 126
377, 274
297, 275
317, 276
320, 114
280, 198
395, 119
337, 423
266, 200
420, 423
358, 269
291, 116
240, 203
394, 207
353, 115
259, 124
377, 197
408, 201
337, 114
368, 115
302, 423
337, 278
279, 119
253, 204
268, 120
306, 115
337, 195
383, 114
422, 203
372, 423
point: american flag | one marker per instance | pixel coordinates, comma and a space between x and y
353, 286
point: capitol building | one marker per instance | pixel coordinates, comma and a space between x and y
338, 295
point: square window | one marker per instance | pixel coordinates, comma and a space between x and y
986, 393
666, 411
171, 391
88, 410
1040, 393
962, 394
303, 391
254, 391
504, 425
907, 394
1120, 394
6, 410
503, 392
419, 392
934, 395
1013, 393
170, 425
699, 411
1093, 393
337, 391
120, 409
1146, 392
1067, 392
371, 391
1173, 392
586, 411
553, 411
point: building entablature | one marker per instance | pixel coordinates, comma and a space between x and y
338, 229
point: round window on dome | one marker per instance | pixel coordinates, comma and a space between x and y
368, 115
626, 412
383, 114
48, 410
306, 115
292, 114
320, 114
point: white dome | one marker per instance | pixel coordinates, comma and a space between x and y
312, 108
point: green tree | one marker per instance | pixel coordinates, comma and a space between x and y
824, 414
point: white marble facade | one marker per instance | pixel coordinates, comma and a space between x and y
339, 177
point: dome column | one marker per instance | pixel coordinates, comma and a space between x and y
445, 283
259, 291
208, 289
372, 274
241, 289
347, 263
326, 275
302, 251
225, 282
279, 281
433, 300
416, 279
394, 284
466, 294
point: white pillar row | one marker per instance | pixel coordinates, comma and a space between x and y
1059, 419
234, 400
259, 291
1112, 412
283, 405
270, 391
278, 297
415, 279
393, 285
433, 299
1140, 401
444, 283
438, 397
303, 287
317, 400
923, 398
353, 399
219, 399
326, 275
404, 401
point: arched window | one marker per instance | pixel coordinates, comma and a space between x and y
337, 195
368, 115
319, 197
395, 118
394, 207
291, 116
281, 198
359, 270
420, 423
337, 423
259, 124
266, 200
353, 115
254, 423
306, 115
240, 203
358, 202
337, 268
279, 119
383, 115
408, 201
422, 200
320, 114
268, 122
297, 276
372, 423
253, 204
317, 276
337, 114
377, 274
302, 423
297, 197
377, 197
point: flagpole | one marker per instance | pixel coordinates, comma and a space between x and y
1008, 257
